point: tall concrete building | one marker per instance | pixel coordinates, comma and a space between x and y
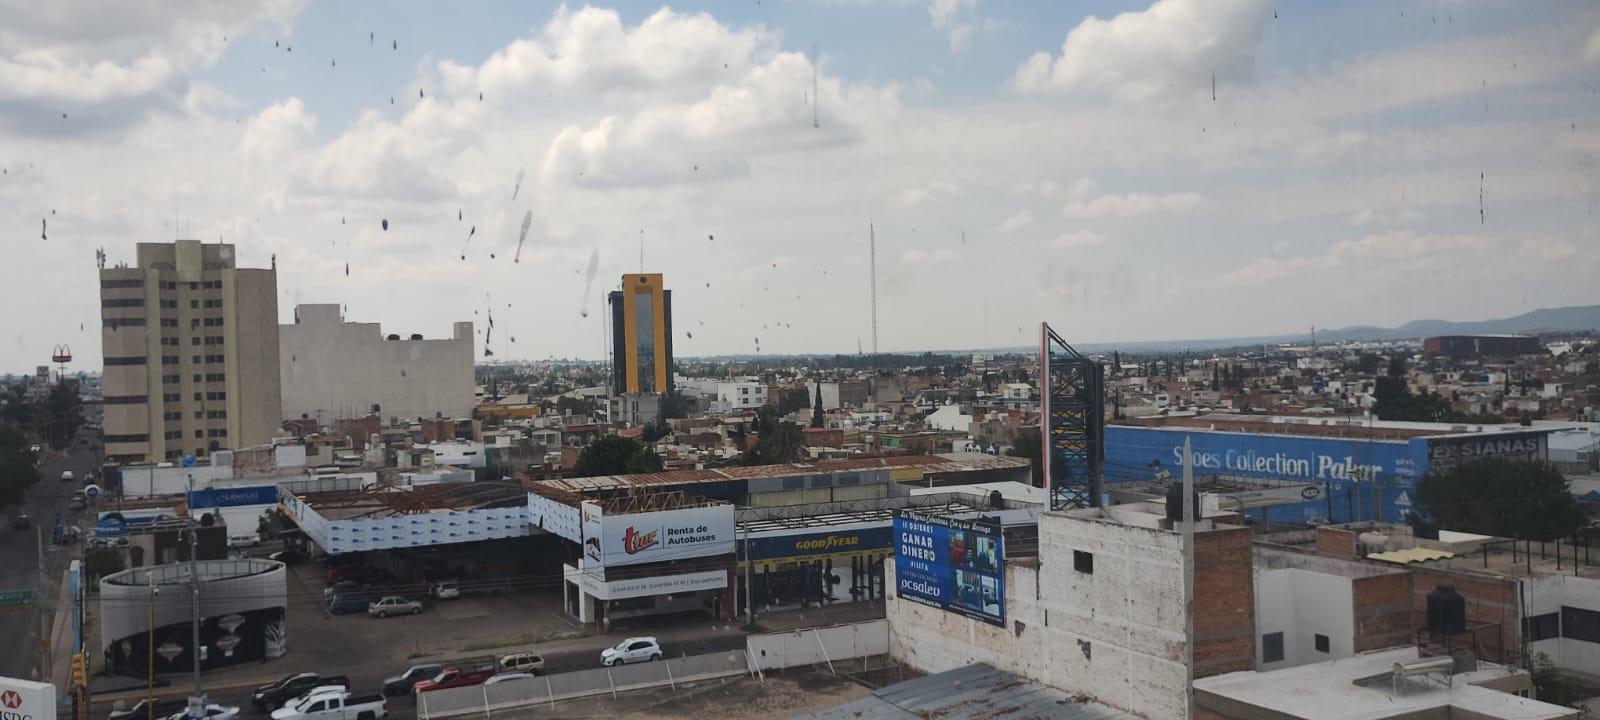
641, 336
332, 369
191, 353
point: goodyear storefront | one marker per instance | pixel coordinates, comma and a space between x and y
789, 567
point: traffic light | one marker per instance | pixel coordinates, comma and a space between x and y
80, 670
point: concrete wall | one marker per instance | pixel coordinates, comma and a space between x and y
252, 351
1302, 604
1547, 595
332, 369
1116, 635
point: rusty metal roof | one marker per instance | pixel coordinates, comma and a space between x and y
673, 478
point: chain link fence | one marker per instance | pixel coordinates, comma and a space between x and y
550, 689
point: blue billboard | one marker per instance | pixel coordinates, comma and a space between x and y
1360, 477
951, 564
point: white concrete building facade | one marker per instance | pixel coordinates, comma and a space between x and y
742, 395
333, 369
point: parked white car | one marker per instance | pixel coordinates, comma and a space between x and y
335, 705
447, 590
631, 650
213, 712
393, 605
508, 677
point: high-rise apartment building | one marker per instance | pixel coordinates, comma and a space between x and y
191, 353
641, 335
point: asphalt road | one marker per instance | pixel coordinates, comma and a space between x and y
19, 556
369, 678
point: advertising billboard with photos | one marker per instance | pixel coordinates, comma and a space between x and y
951, 564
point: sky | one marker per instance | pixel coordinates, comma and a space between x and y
1126, 171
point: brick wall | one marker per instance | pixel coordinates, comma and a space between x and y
1489, 600
1224, 603
1334, 542
1383, 611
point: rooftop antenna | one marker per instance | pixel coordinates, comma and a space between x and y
814, 98
872, 247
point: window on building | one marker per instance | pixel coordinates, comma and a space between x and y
1272, 647
1580, 624
135, 438
126, 399
1321, 641
115, 323
194, 304
1542, 627
217, 414
200, 434
170, 323
170, 416
126, 360
197, 396
195, 359
194, 340
1083, 562
194, 286
174, 435
122, 302
199, 414
216, 377
169, 359
169, 379
169, 304
112, 284
170, 397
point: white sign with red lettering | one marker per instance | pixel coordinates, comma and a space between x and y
634, 538
26, 700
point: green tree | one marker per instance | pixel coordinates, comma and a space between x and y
816, 410
1367, 363
574, 406
781, 442
655, 431
793, 399
1504, 498
63, 413
101, 562
615, 455
17, 469
1027, 446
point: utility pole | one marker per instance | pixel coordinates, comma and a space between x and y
197, 703
150, 649
1189, 513
39, 600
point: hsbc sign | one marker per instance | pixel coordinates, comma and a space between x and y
26, 700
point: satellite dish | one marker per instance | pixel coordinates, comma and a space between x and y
189, 461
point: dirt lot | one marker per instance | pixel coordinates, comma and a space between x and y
777, 698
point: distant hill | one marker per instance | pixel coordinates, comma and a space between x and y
1566, 319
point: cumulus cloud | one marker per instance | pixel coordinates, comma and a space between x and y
1021, 219
1391, 248
1138, 55
1074, 239
931, 192
955, 17
67, 56
927, 257
590, 50
765, 110
1130, 206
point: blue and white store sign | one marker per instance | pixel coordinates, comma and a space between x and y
1383, 470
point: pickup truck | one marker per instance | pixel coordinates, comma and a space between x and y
334, 705
454, 677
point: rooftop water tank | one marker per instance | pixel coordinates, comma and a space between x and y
1447, 611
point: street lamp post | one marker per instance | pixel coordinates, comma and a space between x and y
197, 703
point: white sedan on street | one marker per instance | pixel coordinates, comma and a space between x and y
213, 712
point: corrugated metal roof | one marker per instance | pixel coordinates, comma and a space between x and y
927, 463
1411, 555
974, 692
